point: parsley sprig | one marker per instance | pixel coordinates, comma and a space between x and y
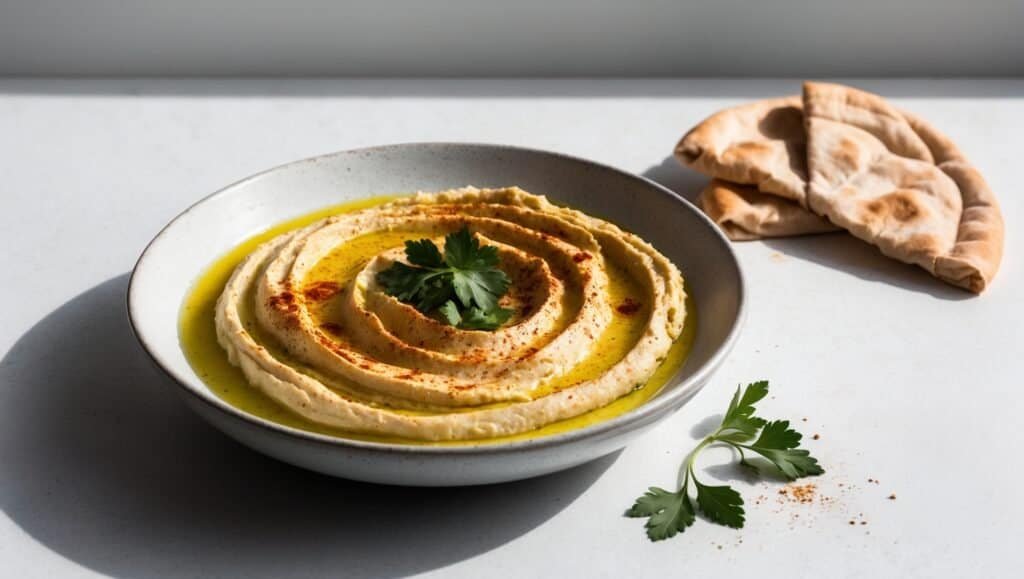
669, 513
462, 286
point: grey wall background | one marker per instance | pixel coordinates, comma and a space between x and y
513, 37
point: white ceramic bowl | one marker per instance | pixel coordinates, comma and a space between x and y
189, 243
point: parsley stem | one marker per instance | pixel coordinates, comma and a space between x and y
435, 273
686, 471
670, 513
738, 448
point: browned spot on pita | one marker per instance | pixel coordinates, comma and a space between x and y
898, 206
749, 149
847, 153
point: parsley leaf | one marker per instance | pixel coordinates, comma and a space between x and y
423, 253
778, 443
793, 463
480, 288
451, 314
477, 319
778, 435
433, 292
463, 251
463, 284
740, 416
402, 281
669, 513
721, 504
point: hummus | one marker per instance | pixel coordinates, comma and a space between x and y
304, 319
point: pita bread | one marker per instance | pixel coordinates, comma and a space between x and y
756, 154
894, 181
760, 144
886, 176
745, 214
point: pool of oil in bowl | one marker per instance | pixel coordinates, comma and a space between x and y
198, 337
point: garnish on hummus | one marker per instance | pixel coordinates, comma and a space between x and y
368, 322
463, 285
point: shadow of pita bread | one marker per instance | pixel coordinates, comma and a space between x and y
848, 255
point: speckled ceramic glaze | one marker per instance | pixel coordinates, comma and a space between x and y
174, 259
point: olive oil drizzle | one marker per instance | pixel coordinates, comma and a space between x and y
197, 335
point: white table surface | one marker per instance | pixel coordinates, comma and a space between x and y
103, 472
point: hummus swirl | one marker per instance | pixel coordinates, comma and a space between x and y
342, 353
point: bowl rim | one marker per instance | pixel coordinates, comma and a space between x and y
627, 421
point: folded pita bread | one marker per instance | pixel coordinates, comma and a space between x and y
894, 181
761, 144
744, 213
752, 148
884, 175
